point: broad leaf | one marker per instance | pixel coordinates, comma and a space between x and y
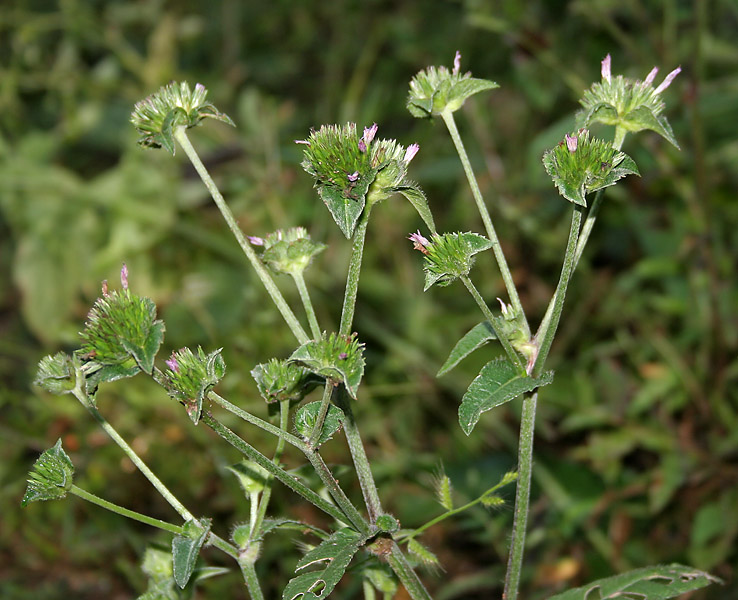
475, 338
307, 416
186, 549
337, 552
336, 357
51, 477
346, 205
651, 583
498, 382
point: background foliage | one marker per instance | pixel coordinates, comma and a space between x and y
637, 450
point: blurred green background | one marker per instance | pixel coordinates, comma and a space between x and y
637, 448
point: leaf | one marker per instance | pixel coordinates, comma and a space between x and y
498, 382
644, 118
475, 338
417, 198
186, 549
346, 206
466, 88
146, 353
337, 551
335, 357
51, 476
651, 583
269, 525
307, 415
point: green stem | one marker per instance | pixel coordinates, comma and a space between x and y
512, 291
544, 339
331, 484
406, 575
354, 270
547, 330
449, 513
522, 497
254, 420
136, 516
248, 571
181, 136
284, 416
325, 403
81, 395
307, 303
509, 350
253, 454
358, 454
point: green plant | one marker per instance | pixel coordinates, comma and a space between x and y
352, 173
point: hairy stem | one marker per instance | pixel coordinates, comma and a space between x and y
358, 454
136, 516
280, 474
307, 303
284, 416
544, 339
509, 350
181, 136
325, 403
512, 291
522, 497
354, 271
248, 571
406, 575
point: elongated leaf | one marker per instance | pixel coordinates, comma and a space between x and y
475, 338
651, 583
186, 548
417, 198
498, 382
337, 551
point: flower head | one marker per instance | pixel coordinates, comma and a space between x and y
437, 89
174, 105
629, 104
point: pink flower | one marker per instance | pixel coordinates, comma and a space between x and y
369, 133
606, 73
419, 242
571, 142
411, 151
124, 277
457, 63
668, 79
353, 177
255, 241
172, 363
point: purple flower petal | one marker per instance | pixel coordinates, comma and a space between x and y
255, 241
651, 76
369, 133
667, 81
606, 74
124, 277
572, 142
411, 151
457, 63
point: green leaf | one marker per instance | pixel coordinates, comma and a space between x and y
105, 373
335, 357
337, 552
475, 338
51, 476
269, 525
651, 583
145, 354
498, 382
466, 88
252, 477
645, 118
417, 198
191, 376
279, 380
56, 374
307, 415
186, 549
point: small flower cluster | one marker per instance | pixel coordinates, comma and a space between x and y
437, 89
339, 358
191, 376
290, 251
630, 104
448, 256
174, 105
279, 380
580, 165
351, 171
